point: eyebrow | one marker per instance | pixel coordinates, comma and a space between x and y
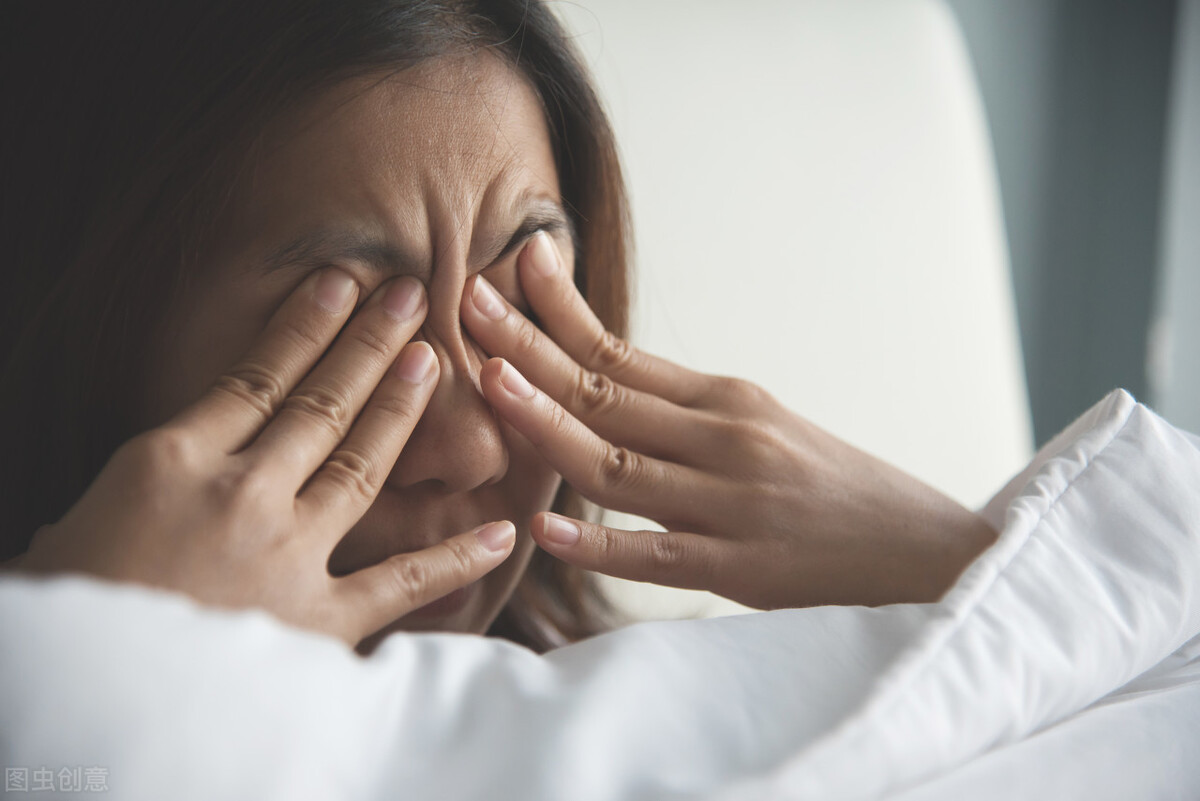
324, 246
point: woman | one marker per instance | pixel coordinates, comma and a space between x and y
294, 167
317, 271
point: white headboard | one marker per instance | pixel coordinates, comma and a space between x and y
816, 209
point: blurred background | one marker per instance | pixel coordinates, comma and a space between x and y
1094, 113
940, 229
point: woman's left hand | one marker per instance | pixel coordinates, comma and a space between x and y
760, 505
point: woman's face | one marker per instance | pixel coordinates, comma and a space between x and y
440, 171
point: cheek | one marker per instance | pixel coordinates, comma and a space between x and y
204, 336
530, 477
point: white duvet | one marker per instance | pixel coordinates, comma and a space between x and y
1065, 663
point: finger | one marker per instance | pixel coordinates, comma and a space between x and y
316, 416
237, 406
569, 320
347, 483
612, 476
638, 420
663, 557
378, 595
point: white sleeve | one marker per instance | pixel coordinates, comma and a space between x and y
1090, 585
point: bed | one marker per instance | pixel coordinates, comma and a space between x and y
1065, 663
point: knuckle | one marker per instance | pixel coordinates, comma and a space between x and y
610, 353
666, 554
607, 545
399, 408
160, 452
170, 446
255, 385
595, 392
241, 488
354, 473
375, 342
743, 392
752, 443
247, 481
306, 334
528, 337
622, 469
461, 554
407, 579
738, 393
560, 419
558, 424
323, 406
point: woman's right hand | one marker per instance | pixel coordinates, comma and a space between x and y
239, 500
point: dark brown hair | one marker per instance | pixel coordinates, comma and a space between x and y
127, 122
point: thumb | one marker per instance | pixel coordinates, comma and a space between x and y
378, 595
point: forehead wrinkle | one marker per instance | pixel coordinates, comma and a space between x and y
480, 151
478, 182
453, 197
483, 172
511, 171
499, 113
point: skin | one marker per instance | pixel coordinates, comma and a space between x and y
760, 505
439, 165
345, 489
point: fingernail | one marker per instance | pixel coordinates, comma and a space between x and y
487, 300
544, 257
334, 289
514, 382
560, 531
496, 536
415, 364
403, 298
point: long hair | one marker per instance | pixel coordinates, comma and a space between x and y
127, 123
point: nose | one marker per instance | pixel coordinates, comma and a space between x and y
457, 444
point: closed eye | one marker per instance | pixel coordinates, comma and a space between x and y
552, 225
502, 273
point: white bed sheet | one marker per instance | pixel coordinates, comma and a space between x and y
1065, 663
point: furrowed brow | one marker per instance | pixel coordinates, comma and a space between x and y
323, 247
548, 217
